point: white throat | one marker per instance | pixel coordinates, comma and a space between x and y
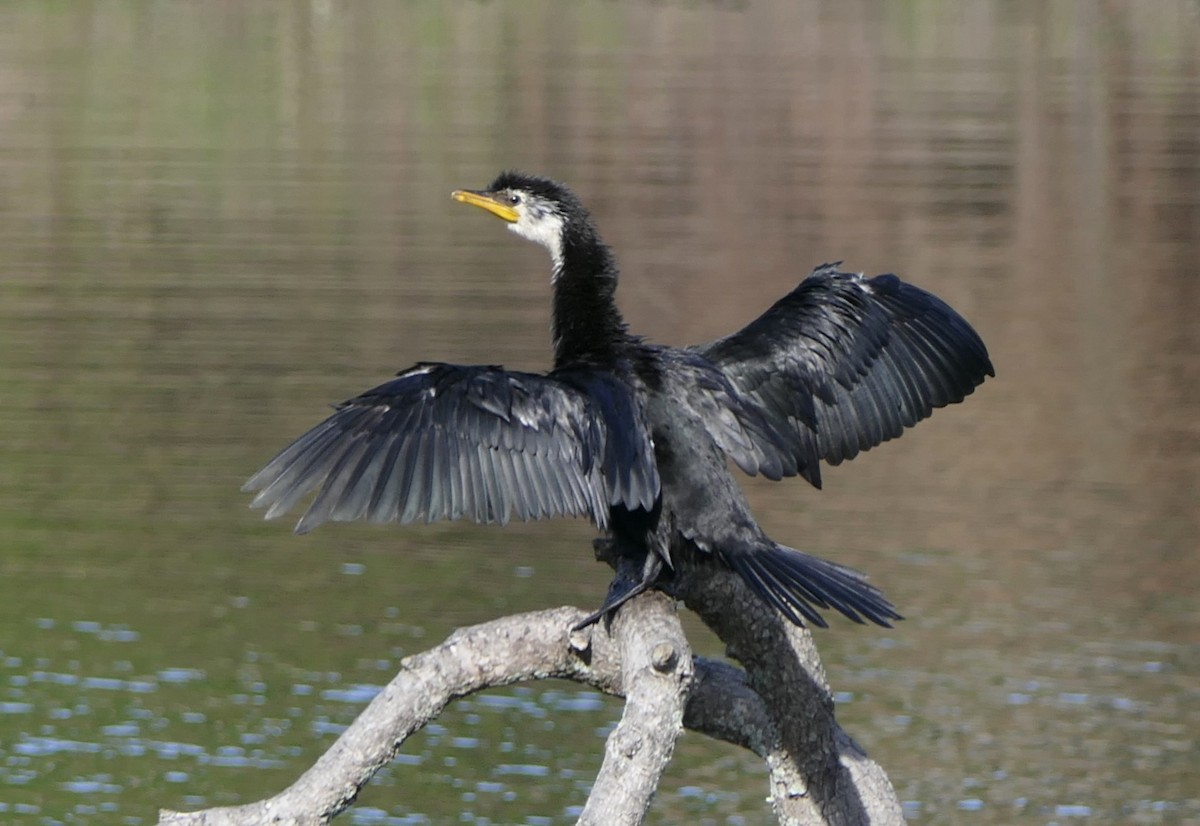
545, 230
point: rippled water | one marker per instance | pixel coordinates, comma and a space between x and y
215, 219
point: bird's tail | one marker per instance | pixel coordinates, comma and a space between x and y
797, 584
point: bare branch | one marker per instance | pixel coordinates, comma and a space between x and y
645, 658
646, 637
520, 647
819, 775
657, 664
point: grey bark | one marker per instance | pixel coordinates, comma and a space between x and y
819, 775
780, 708
657, 672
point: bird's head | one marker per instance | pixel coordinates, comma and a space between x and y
536, 208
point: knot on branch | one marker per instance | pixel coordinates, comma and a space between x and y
664, 657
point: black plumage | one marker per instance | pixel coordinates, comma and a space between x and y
634, 435
443, 441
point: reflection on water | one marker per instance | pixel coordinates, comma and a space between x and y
216, 219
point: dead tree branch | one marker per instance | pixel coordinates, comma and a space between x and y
780, 708
646, 658
819, 775
656, 667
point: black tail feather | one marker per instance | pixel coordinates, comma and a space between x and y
796, 584
776, 595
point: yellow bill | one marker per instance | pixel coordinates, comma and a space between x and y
485, 200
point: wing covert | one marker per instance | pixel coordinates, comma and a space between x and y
444, 441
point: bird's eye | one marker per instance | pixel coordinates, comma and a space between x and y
513, 199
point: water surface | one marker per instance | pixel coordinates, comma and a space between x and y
215, 220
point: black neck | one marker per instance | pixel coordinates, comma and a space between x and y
588, 327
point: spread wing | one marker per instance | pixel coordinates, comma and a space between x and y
443, 441
843, 363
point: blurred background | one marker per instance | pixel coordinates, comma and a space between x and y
217, 218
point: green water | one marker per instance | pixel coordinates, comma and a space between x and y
217, 219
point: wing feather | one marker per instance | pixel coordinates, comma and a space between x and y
385, 494
841, 364
441, 441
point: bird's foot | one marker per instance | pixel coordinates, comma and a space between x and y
633, 577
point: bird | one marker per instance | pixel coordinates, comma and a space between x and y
637, 436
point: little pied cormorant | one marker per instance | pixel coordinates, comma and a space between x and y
635, 435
